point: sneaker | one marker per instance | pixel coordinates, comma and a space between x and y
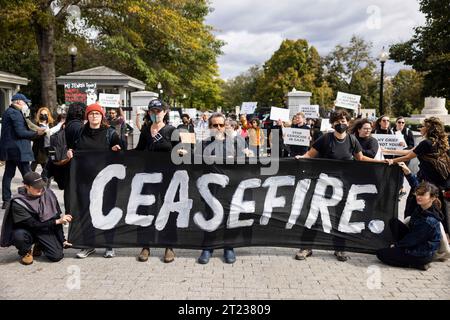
67, 244
205, 256
303, 254
143, 256
169, 255
229, 256
340, 256
84, 253
37, 250
27, 259
109, 253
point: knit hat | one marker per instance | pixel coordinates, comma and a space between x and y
94, 107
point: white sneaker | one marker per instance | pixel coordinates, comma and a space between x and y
109, 253
84, 253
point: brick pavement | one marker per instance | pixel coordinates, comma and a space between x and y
259, 273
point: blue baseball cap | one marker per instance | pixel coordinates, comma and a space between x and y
156, 104
20, 96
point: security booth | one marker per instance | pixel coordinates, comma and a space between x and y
103, 84
9, 85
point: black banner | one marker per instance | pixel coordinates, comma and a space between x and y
136, 199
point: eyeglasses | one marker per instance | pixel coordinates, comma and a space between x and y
400, 122
218, 125
95, 114
385, 120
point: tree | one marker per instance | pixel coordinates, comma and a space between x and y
429, 49
351, 69
160, 41
294, 65
407, 95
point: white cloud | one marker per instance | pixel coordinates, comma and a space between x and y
254, 29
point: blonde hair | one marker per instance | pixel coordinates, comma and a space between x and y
38, 113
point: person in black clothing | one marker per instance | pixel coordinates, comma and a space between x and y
400, 128
34, 218
95, 135
416, 243
362, 130
187, 125
298, 122
336, 145
383, 126
434, 162
156, 136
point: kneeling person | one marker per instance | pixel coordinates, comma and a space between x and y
34, 218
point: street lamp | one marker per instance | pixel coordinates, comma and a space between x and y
159, 86
72, 51
383, 57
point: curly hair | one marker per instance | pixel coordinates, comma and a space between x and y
357, 125
436, 134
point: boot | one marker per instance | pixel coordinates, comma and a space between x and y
143, 256
169, 255
27, 259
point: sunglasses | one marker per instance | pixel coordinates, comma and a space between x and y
400, 122
218, 125
385, 120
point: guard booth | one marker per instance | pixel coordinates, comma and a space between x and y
9, 85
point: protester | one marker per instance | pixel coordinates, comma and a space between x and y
95, 135
117, 121
157, 138
383, 126
298, 122
416, 244
219, 136
402, 130
336, 145
15, 143
256, 138
362, 129
187, 124
434, 162
44, 120
244, 125
34, 218
283, 149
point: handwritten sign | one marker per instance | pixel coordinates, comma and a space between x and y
84, 92
348, 101
249, 107
310, 111
390, 141
109, 100
279, 114
298, 137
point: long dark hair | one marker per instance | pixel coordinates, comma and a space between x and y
436, 134
357, 125
425, 187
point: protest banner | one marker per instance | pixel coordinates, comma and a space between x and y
279, 114
84, 92
390, 141
249, 107
347, 101
298, 137
109, 100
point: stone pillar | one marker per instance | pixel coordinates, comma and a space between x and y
434, 107
296, 98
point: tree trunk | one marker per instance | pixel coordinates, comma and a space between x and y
45, 36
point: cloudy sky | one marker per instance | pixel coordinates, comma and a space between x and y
254, 29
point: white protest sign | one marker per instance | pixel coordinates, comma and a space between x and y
347, 101
325, 125
201, 133
192, 112
298, 137
310, 111
390, 141
109, 100
279, 114
187, 137
248, 107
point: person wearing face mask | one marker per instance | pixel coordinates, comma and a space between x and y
338, 145
34, 217
44, 120
156, 137
15, 143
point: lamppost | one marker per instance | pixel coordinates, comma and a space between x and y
383, 57
72, 50
159, 86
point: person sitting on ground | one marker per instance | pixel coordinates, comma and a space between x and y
416, 244
34, 218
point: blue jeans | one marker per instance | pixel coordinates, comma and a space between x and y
10, 172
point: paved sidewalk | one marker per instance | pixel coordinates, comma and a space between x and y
259, 273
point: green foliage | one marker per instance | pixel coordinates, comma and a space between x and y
429, 49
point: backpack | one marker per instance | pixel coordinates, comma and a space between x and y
329, 140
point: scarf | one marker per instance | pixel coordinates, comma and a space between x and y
46, 205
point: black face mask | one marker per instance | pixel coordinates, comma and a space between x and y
43, 117
341, 128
